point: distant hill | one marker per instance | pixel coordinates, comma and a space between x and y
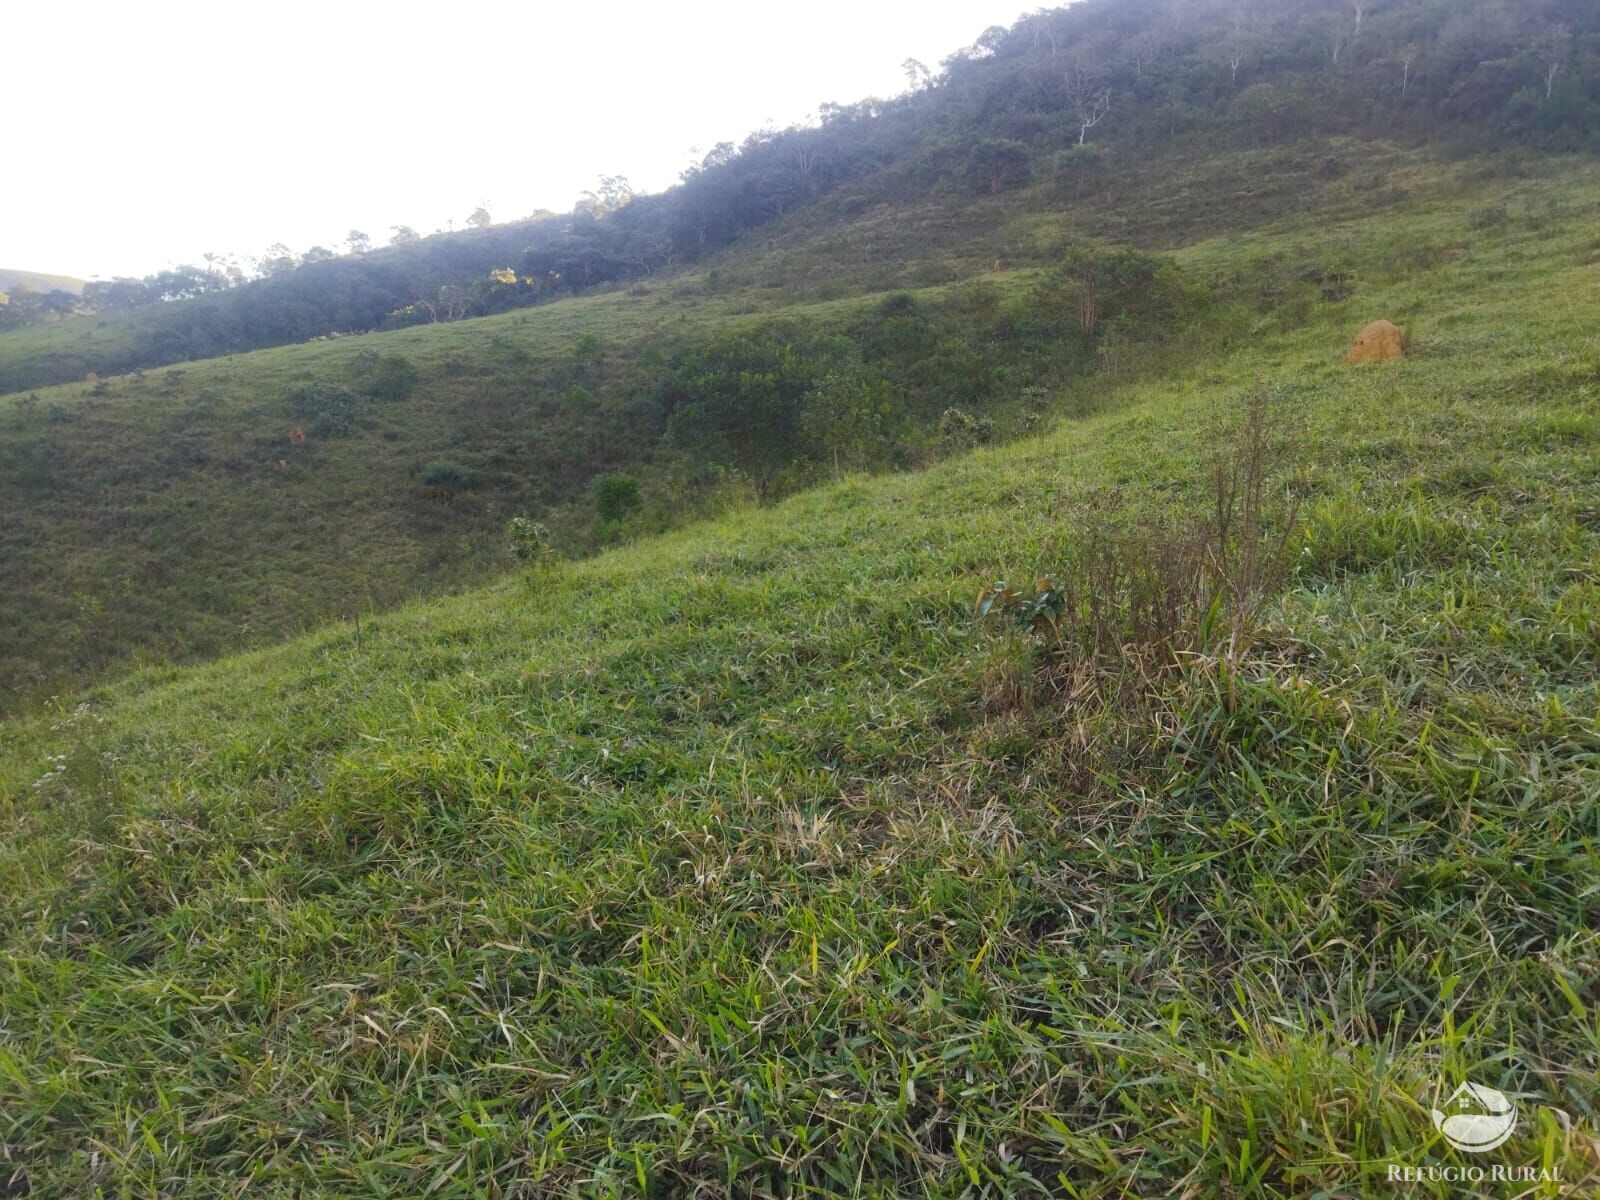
1076, 95
12, 279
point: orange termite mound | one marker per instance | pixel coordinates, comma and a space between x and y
1379, 341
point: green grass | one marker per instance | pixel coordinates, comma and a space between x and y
745, 860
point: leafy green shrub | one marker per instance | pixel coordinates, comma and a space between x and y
996, 165
980, 301
392, 378
741, 398
847, 416
1076, 160
898, 329
1268, 113
896, 304
1102, 283
961, 430
528, 543
448, 476
615, 496
326, 409
1072, 169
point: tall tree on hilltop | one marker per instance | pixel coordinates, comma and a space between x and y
1089, 95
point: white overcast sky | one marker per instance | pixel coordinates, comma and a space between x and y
144, 134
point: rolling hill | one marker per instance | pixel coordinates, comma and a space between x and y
991, 702
748, 858
153, 517
170, 515
167, 510
11, 280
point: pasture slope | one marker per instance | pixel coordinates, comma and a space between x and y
748, 860
169, 516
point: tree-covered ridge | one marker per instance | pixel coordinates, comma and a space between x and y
1134, 77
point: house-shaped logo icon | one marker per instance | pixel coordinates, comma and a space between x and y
1476, 1118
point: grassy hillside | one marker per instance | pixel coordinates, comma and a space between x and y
748, 860
151, 518
12, 279
188, 313
849, 244
898, 236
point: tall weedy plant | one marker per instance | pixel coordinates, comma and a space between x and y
1137, 596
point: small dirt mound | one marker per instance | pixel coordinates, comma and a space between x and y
1378, 341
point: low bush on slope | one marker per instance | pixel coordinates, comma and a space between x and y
748, 860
